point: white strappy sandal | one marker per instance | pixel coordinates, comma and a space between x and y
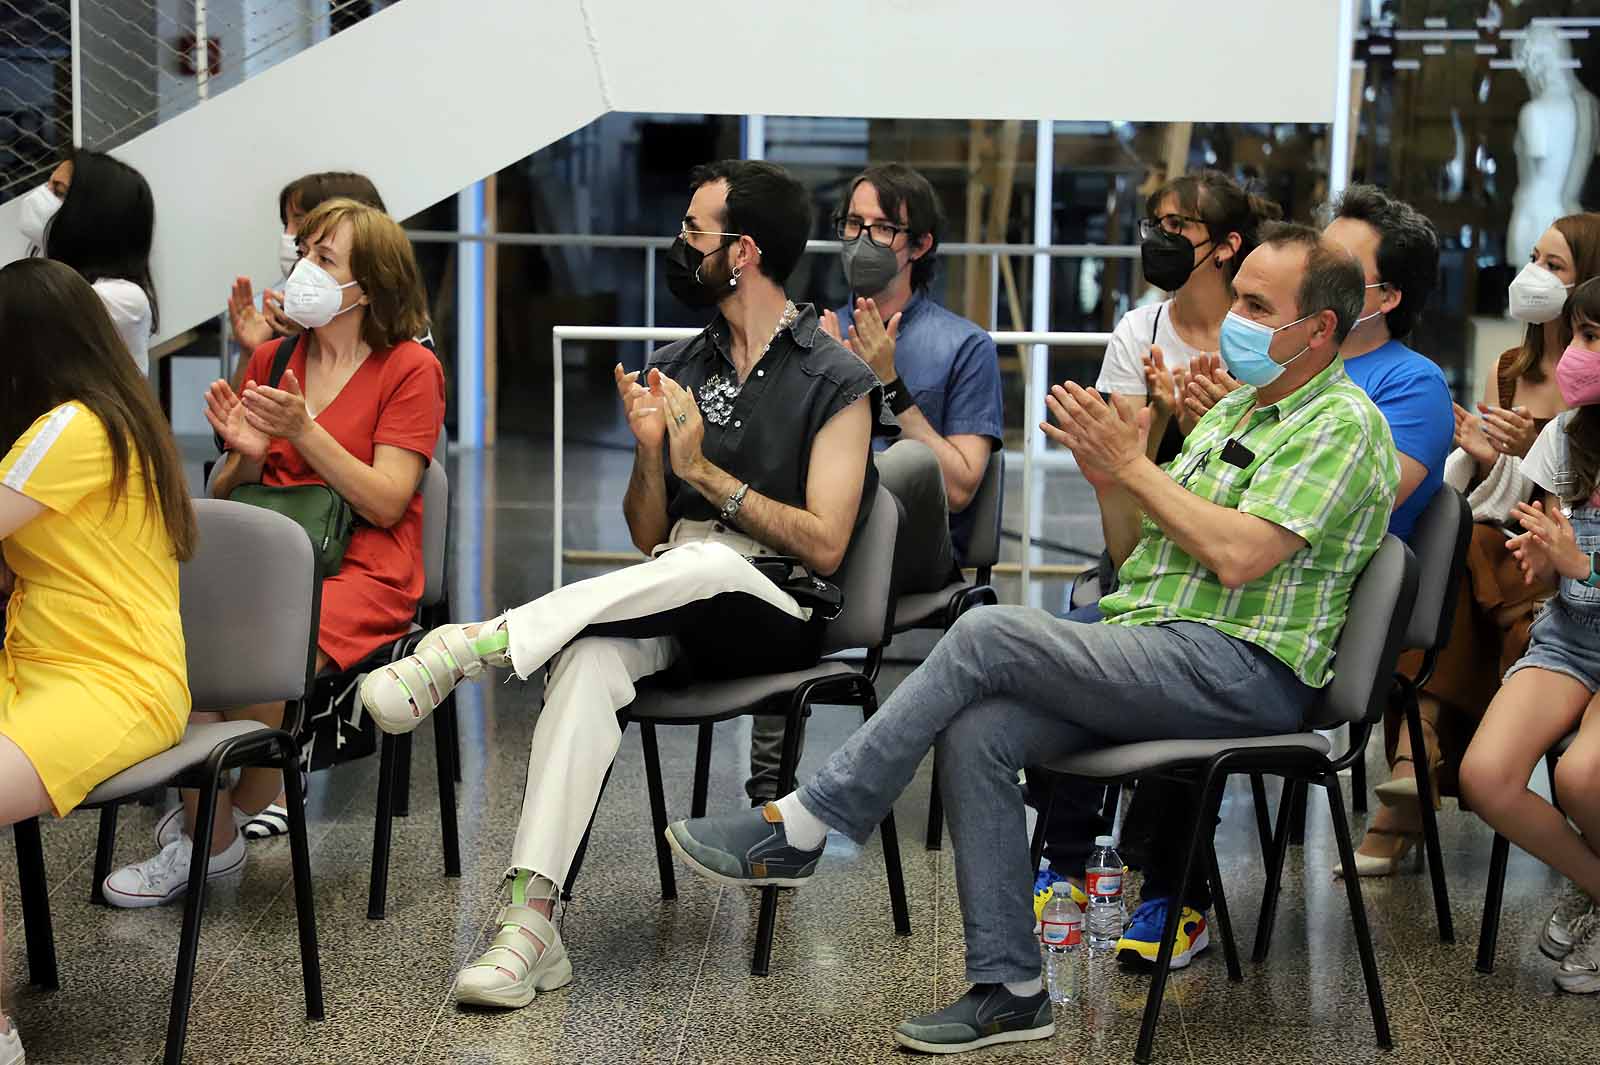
402, 694
507, 974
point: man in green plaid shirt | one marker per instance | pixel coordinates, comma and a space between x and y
1240, 560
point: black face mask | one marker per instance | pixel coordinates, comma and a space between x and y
687, 277
1168, 259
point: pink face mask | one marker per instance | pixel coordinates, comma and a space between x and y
1578, 376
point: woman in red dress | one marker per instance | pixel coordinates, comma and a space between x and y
358, 408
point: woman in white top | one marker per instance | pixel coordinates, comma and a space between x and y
1198, 230
96, 215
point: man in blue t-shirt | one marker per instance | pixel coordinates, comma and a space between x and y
1399, 251
941, 381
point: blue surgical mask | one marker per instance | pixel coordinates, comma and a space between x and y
1246, 349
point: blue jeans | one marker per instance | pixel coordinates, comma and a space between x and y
1011, 686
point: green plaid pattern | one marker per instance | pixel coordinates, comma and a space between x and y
1324, 468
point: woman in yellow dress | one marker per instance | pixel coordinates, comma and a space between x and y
94, 519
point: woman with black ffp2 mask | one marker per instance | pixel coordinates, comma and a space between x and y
1198, 229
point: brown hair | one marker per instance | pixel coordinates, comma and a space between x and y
61, 347
1583, 428
1582, 233
382, 264
1223, 204
311, 191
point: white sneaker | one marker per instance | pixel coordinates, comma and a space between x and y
509, 974
159, 880
170, 828
1580, 972
11, 1046
1559, 936
400, 695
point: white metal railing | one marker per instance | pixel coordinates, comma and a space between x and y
1029, 345
651, 245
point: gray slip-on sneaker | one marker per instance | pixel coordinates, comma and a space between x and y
745, 849
984, 1016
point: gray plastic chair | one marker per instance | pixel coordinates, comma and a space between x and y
1489, 933
1380, 607
864, 622
394, 758
1439, 542
249, 600
941, 609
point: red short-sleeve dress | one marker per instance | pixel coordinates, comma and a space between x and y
396, 397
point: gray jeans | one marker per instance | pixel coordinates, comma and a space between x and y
924, 561
1010, 687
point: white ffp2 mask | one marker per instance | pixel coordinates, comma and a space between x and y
1537, 295
311, 295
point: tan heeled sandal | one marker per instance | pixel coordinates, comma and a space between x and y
1383, 864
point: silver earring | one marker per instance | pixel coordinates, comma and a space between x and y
733, 282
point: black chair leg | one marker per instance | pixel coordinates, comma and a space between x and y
1041, 826
1430, 823
1158, 979
1219, 902
1258, 794
36, 906
1358, 783
455, 736
1274, 884
766, 923
304, 903
1358, 911
193, 911
382, 829
891, 851
702, 770
935, 830
1489, 934
583, 844
449, 833
658, 810
105, 849
402, 776
1297, 814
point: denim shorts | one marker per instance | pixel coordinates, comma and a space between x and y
1565, 639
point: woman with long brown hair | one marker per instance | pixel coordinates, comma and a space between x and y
1496, 605
94, 519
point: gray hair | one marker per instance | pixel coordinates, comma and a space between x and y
1333, 279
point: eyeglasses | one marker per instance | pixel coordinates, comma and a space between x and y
881, 234
1167, 223
685, 232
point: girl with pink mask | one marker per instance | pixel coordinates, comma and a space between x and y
1551, 690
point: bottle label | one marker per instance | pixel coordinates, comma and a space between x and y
1060, 933
1103, 884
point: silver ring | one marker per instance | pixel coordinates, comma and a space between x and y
681, 418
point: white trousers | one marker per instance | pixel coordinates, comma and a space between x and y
591, 678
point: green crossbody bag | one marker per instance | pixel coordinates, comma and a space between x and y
316, 508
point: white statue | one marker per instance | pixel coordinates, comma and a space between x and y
1556, 139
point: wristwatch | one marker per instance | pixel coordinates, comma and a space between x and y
731, 508
1593, 579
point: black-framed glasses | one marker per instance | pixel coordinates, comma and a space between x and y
882, 234
1167, 223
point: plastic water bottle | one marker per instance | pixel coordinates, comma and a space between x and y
1103, 885
1060, 932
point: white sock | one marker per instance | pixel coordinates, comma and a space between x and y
802, 827
1027, 988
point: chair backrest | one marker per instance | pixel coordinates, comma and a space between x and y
863, 577
1363, 664
441, 448
983, 549
435, 532
1439, 542
249, 599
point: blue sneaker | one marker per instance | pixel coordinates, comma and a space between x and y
1141, 943
745, 849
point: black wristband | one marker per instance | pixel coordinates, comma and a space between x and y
898, 396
